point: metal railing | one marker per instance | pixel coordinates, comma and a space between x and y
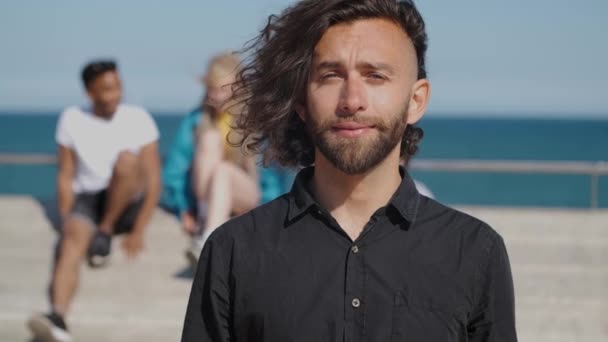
592, 169
27, 159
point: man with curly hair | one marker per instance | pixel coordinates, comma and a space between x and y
353, 252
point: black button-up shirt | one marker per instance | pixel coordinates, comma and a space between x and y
287, 271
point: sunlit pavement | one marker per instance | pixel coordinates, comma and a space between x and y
559, 260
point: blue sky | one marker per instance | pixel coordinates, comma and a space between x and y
486, 57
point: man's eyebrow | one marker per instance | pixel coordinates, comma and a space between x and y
325, 65
376, 66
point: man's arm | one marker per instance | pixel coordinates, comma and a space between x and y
66, 167
494, 319
208, 316
150, 162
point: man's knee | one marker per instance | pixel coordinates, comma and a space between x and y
76, 236
126, 164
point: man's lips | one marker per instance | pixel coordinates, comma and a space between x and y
351, 129
350, 126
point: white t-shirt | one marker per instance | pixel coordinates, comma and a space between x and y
98, 142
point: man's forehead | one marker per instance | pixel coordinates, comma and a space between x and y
372, 40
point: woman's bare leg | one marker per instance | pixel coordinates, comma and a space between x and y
233, 191
208, 155
222, 186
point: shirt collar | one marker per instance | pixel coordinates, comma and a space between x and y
406, 198
300, 199
404, 201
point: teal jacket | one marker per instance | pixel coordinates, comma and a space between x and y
178, 196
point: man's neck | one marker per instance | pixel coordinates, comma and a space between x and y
353, 199
101, 114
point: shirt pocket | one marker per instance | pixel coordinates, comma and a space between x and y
426, 319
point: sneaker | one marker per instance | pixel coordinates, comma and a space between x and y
99, 249
192, 253
49, 328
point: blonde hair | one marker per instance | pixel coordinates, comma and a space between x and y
219, 67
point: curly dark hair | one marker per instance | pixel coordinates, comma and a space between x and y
95, 69
276, 73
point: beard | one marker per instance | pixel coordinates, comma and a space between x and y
358, 155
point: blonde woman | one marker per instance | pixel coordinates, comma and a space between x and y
206, 179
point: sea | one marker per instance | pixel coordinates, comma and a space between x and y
446, 137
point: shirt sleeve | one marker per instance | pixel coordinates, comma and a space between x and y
147, 131
208, 312
494, 318
63, 136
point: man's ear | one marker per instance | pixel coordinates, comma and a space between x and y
419, 100
89, 94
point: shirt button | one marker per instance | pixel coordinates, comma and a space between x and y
356, 303
355, 249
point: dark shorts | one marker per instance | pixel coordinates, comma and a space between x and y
92, 206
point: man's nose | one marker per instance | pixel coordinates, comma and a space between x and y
353, 98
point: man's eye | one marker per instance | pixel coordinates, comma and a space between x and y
376, 76
329, 75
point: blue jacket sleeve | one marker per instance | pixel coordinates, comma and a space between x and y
176, 170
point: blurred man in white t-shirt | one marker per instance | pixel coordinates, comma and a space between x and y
108, 183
